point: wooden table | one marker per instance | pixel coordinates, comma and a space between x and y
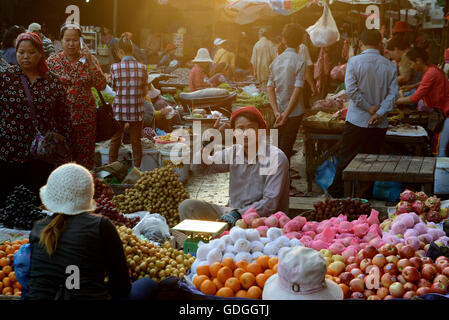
321, 144
373, 167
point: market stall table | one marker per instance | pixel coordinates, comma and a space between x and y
321, 143
373, 167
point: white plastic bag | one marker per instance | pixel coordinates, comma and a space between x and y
324, 32
153, 227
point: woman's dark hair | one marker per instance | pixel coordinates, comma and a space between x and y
416, 53
126, 44
400, 43
371, 37
293, 34
10, 36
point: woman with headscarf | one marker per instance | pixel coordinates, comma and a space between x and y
79, 71
17, 125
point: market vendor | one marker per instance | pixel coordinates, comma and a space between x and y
73, 236
433, 90
398, 48
264, 52
224, 61
252, 183
169, 55
198, 75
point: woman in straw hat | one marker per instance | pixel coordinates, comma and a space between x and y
197, 76
301, 276
87, 243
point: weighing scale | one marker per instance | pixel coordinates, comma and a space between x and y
199, 230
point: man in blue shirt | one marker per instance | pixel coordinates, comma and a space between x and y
372, 85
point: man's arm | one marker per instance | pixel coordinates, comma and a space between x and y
271, 90
393, 93
352, 88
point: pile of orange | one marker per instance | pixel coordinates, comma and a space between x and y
8, 283
235, 279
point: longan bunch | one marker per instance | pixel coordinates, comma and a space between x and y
145, 260
158, 191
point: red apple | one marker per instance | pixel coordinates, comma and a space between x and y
358, 296
426, 260
361, 277
441, 278
356, 271
382, 292
356, 285
364, 264
391, 268
379, 260
399, 246
422, 245
397, 289
388, 250
392, 259
346, 277
351, 266
374, 297
408, 286
403, 263
438, 288
420, 253
437, 260
406, 252
416, 262
429, 271
351, 260
409, 294
359, 257
369, 252
411, 274
368, 293
387, 279
423, 283
389, 297
446, 271
401, 279
441, 265
422, 291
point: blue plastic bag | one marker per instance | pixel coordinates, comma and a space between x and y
325, 173
22, 260
387, 191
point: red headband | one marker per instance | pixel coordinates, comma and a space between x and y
42, 65
251, 110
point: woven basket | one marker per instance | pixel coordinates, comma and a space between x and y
179, 238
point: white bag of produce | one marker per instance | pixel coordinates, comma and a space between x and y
206, 93
153, 227
324, 32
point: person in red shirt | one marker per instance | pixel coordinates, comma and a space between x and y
198, 74
433, 90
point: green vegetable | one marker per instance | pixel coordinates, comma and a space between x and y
108, 98
169, 97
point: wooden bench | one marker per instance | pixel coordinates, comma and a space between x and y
373, 167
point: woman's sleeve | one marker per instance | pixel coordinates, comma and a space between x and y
119, 284
97, 78
62, 115
424, 87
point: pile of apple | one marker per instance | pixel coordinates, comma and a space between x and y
393, 271
428, 208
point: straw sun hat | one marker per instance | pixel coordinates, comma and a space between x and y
202, 56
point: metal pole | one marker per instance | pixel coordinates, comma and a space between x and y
115, 17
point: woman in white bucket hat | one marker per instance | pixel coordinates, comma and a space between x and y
301, 276
74, 237
198, 75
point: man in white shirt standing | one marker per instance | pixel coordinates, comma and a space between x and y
264, 52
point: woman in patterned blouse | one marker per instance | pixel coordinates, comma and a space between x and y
17, 130
79, 77
130, 81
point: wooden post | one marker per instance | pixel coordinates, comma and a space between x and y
399, 10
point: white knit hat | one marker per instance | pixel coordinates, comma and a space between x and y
69, 190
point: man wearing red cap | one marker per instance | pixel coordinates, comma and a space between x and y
258, 173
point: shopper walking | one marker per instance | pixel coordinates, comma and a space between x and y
130, 81
264, 52
79, 71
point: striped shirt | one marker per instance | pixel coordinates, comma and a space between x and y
129, 81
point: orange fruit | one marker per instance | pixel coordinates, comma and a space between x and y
17, 285
225, 292
213, 269
238, 272
224, 274
10, 257
12, 276
2, 254
241, 294
241, 264
198, 280
272, 261
208, 287
233, 283
217, 283
229, 262
263, 261
203, 270
254, 268
6, 282
18, 293
7, 269
275, 268
9, 249
1, 286
268, 273
16, 290
261, 279
4, 262
345, 289
7, 291
254, 292
2, 275
247, 280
